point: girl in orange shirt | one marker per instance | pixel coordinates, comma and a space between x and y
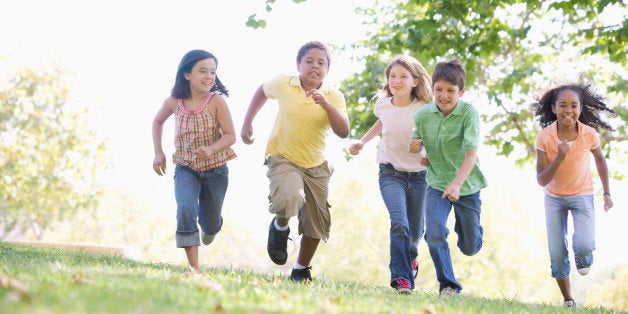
569, 116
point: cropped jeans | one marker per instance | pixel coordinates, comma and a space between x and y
199, 196
404, 196
583, 240
467, 226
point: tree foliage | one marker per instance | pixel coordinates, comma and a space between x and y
48, 157
512, 50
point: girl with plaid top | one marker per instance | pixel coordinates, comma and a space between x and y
204, 133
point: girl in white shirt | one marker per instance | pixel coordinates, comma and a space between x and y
401, 173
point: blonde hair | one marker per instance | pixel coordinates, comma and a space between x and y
423, 90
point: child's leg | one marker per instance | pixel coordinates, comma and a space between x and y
307, 250
393, 186
286, 189
556, 226
186, 191
416, 211
565, 288
213, 190
437, 211
583, 241
467, 211
191, 252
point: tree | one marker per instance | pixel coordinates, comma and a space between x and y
512, 49
49, 156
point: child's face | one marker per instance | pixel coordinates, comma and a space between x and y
567, 108
202, 76
313, 68
400, 81
446, 95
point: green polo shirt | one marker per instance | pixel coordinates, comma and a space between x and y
446, 138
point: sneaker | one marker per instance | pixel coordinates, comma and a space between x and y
415, 268
299, 275
403, 286
448, 292
206, 238
570, 304
277, 244
583, 271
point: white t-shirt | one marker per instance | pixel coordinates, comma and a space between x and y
397, 126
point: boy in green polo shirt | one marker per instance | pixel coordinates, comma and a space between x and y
449, 129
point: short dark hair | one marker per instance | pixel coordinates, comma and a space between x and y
311, 45
181, 88
451, 71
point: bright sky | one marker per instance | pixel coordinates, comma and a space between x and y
124, 54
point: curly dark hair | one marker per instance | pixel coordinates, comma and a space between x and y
590, 101
181, 88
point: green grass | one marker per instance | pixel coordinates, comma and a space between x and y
35, 280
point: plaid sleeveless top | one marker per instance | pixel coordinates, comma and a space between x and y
196, 128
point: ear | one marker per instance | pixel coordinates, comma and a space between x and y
462, 92
186, 76
415, 82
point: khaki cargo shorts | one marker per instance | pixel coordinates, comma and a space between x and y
302, 192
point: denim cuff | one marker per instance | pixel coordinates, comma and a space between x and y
185, 240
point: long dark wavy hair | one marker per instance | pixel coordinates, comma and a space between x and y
181, 88
590, 101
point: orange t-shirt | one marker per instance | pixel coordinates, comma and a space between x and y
573, 177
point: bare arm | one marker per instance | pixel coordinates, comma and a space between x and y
167, 109
338, 123
375, 129
545, 171
228, 137
602, 170
257, 102
452, 192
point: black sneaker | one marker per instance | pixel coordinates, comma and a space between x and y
277, 244
299, 275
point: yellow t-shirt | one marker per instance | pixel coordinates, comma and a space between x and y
301, 125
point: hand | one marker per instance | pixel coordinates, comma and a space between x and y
424, 161
415, 145
452, 192
203, 152
563, 149
247, 134
608, 202
355, 147
317, 96
159, 164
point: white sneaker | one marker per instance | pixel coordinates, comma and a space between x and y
448, 292
584, 271
570, 304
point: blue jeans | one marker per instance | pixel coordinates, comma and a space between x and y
467, 213
583, 242
404, 196
199, 196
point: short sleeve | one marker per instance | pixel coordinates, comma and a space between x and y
416, 132
471, 129
271, 87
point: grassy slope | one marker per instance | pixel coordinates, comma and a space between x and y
35, 280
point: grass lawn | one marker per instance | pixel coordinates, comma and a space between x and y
38, 280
